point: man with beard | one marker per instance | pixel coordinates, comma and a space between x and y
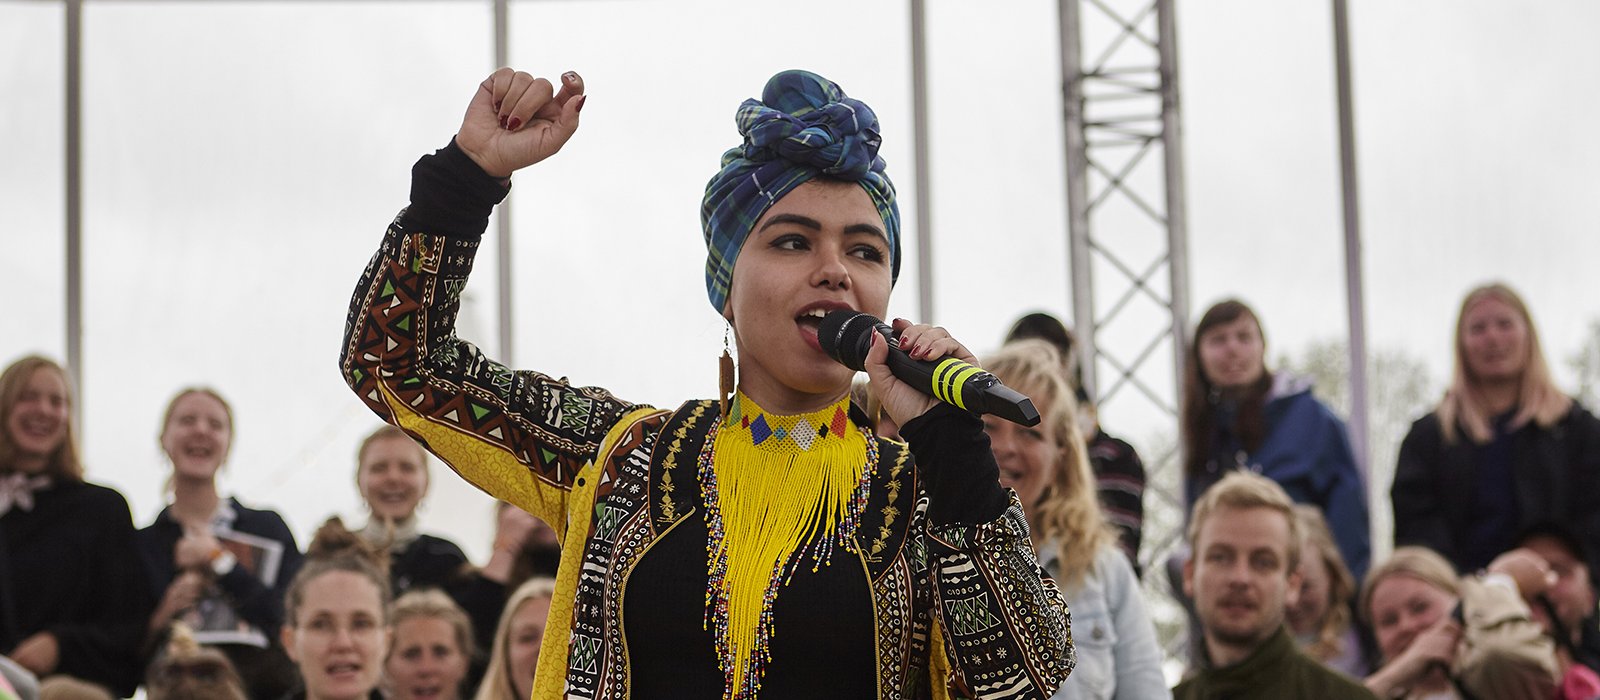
1242, 576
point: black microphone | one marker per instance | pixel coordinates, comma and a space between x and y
846, 336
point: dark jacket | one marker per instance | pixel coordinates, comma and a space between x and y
256, 602
435, 562
1557, 480
1306, 451
1119, 478
1275, 671
69, 567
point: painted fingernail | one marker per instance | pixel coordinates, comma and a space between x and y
581, 100
514, 123
502, 122
570, 77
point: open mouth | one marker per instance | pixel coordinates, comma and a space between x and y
428, 691
810, 319
40, 428
1010, 477
343, 671
392, 498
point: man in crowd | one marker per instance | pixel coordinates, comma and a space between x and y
1242, 576
1571, 597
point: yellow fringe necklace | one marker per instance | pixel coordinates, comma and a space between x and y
778, 490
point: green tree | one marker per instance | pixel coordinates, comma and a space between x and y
1586, 364
1399, 391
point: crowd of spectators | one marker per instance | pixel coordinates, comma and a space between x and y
1489, 592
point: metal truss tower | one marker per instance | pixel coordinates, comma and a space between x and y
1128, 249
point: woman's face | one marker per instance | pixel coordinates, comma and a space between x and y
197, 436
1307, 612
1494, 339
819, 248
522, 646
1232, 355
37, 424
1028, 457
392, 477
426, 662
1402, 608
338, 636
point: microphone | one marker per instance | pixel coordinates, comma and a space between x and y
845, 336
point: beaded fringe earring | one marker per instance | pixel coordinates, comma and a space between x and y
724, 374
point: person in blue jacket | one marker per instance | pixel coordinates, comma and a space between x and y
1239, 415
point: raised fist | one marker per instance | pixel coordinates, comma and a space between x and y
516, 120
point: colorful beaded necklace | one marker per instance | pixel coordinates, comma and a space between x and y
779, 490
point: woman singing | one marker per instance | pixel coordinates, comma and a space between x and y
768, 545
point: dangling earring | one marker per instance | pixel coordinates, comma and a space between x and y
724, 374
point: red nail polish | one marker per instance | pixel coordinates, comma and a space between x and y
581, 99
502, 122
514, 123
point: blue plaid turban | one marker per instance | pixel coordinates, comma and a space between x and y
802, 128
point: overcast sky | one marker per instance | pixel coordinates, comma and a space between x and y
242, 159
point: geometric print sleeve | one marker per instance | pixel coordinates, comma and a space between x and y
520, 436
1007, 631
1005, 627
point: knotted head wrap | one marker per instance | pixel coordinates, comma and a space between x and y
803, 127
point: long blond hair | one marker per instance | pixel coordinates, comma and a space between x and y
1318, 540
63, 463
1538, 400
497, 683
1068, 510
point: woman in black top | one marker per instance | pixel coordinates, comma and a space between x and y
73, 596
1504, 451
222, 567
392, 475
766, 545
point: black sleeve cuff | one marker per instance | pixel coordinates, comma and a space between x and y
451, 196
954, 458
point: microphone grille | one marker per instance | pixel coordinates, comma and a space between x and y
843, 336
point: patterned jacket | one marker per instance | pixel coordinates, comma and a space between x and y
611, 477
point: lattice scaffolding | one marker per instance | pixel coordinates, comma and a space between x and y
1128, 250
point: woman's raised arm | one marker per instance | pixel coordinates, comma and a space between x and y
520, 436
